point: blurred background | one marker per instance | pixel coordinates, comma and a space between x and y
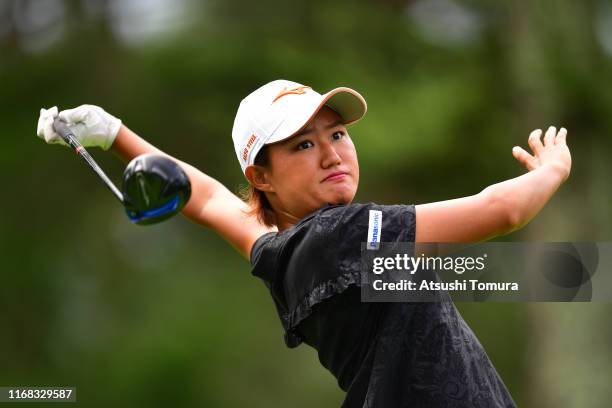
169, 315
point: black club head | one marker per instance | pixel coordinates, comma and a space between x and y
155, 188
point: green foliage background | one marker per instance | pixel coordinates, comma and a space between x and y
169, 315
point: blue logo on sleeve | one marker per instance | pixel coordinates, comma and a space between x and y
374, 230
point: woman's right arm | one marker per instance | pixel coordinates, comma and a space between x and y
211, 203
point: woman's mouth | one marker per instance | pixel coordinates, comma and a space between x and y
339, 175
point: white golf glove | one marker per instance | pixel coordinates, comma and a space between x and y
91, 125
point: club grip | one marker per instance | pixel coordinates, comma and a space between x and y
62, 129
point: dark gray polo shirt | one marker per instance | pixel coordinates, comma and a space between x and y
412, 354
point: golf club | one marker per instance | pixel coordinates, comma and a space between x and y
154, 187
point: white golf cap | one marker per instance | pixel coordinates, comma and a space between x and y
281, 108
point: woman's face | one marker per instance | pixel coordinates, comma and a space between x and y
316, 166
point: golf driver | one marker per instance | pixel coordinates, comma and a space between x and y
154, 187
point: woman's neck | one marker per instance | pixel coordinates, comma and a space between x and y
285, 220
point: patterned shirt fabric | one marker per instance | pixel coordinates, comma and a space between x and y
403, 354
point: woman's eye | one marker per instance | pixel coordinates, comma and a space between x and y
338, 135
304, 145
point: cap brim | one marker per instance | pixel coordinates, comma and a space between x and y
346, 102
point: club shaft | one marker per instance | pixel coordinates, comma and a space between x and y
68, 136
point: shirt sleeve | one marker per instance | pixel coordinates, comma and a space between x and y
264, 255
396, 223
259, 245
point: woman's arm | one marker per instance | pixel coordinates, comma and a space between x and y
211, 204
503, 207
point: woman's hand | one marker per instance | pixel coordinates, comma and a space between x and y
553, 151
92, 125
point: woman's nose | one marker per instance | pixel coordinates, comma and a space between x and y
330, 156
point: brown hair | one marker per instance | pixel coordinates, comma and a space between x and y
256, 199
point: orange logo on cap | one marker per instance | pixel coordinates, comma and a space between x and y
245, 152
298, 90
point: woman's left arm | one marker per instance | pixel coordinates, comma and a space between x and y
503, 207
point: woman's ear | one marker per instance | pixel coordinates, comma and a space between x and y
259, 178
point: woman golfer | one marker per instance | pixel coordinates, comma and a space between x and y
303, 236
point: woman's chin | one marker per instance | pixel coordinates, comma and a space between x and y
341, 199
